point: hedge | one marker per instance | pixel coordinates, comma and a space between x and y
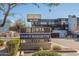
45, 53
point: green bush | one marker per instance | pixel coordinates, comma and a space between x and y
13, 46
1, 42
14, 41
45, 53
56, 47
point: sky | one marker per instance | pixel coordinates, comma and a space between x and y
61, 11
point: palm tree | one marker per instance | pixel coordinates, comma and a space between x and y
11, 6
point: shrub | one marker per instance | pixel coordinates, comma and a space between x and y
1, 42
56, 47
14, 41
46, 53
13, 46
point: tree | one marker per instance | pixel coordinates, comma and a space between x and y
6, 12
18, 26
9, 6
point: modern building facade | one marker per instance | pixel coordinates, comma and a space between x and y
43, 30
60, 27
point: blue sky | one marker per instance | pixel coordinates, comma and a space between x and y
61, 11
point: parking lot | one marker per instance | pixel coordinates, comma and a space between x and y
67, 43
